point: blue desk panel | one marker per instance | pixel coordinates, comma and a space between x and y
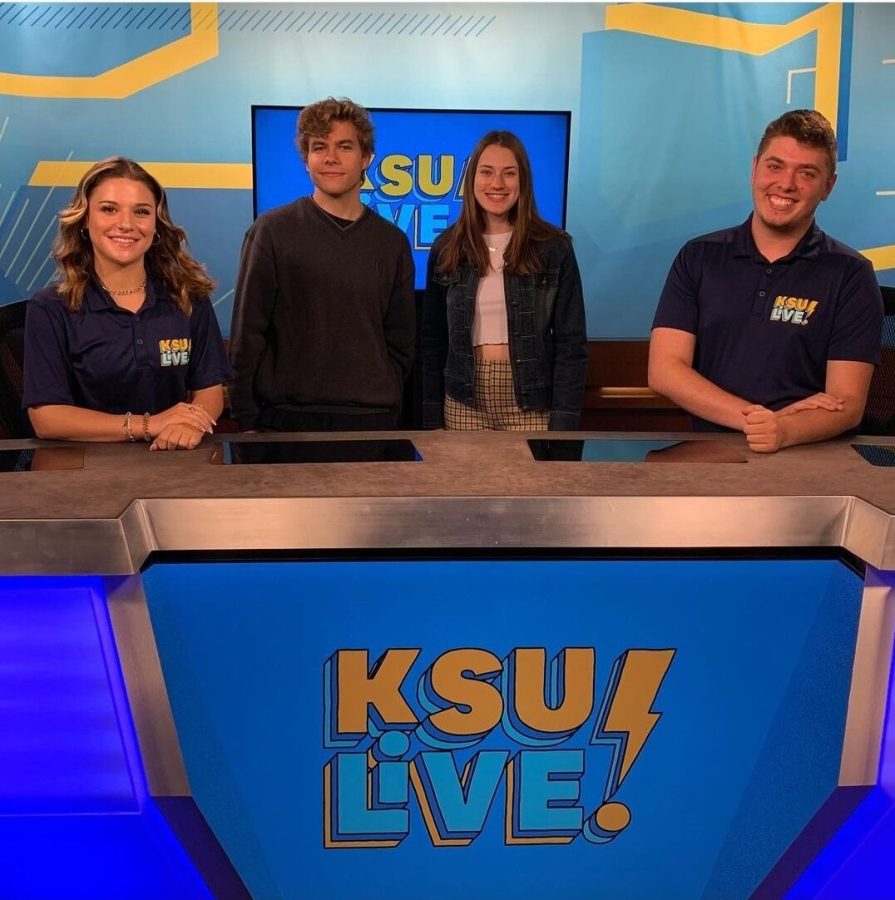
76, 822
507, 728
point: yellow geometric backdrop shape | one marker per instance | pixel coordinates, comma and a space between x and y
757, 39
881, 257
214, 176
199, 46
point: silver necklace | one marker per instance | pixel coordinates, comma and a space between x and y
125, 291
495, 249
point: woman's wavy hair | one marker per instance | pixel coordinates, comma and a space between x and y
185, 279
464, 242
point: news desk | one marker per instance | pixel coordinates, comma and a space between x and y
464, 671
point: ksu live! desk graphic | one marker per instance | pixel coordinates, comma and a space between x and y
507, 727
538, 712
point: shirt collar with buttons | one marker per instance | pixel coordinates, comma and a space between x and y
807, 248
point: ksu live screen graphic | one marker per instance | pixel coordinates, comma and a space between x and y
415, 178
512, 729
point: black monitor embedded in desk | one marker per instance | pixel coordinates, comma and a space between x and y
291, 452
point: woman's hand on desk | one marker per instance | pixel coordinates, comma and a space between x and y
190, 415
177, 436
180, 427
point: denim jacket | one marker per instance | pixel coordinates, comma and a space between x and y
547, 336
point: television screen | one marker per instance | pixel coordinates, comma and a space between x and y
416, 176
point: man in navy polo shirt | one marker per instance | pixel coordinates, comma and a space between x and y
772, 328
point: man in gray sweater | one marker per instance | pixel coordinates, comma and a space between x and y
323, 328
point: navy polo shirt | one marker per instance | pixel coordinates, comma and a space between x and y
764, 331
106, 358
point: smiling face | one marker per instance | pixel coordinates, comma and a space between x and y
789, 181
496, 186
121, 224
336, 163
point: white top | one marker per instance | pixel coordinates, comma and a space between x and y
489, 325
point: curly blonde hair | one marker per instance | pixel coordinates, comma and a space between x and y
167, 258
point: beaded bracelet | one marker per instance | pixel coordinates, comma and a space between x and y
128, 430
146, 435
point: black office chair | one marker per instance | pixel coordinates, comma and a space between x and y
14, 421
879, 414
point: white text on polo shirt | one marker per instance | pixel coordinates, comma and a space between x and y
174, 351
796, 310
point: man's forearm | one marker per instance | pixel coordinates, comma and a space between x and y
838, 408
243, 406
257, 286
810, 425
684, 386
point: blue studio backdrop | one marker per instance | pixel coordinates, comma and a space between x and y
666, 102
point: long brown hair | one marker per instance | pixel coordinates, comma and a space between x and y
167, 258
465, 243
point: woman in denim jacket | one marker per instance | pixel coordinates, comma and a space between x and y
504, 343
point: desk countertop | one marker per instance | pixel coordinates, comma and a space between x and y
470, 490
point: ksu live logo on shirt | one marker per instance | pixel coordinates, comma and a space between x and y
174, 351
475, 736
795, 310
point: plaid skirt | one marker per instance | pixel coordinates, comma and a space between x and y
495, 403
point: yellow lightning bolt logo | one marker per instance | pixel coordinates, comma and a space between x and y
626, 718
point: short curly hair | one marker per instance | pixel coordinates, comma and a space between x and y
808, 127
316, 120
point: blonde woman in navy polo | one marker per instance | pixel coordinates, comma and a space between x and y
125, 345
